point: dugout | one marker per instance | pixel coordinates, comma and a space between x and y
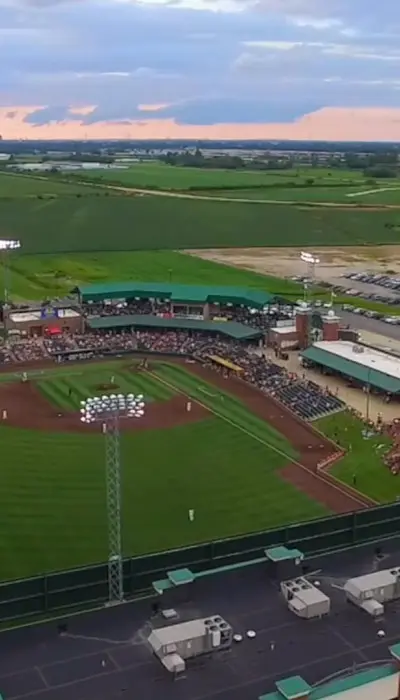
224, 364
230, 329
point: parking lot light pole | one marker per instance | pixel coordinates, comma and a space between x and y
5, 247
107, 412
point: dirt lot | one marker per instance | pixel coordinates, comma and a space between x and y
285, 262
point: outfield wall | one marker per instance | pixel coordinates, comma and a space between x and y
87, 587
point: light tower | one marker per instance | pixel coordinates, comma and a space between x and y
5, 247
107, 412
311, 261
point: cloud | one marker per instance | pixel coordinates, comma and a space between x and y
183, 64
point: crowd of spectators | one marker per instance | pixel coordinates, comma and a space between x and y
304, 397
258, 319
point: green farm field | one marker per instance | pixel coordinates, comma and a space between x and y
168, 177
17, 186
226, 467
150, 222
381, 195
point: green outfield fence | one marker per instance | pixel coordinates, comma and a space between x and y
87, 587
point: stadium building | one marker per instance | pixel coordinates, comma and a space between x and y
363, 365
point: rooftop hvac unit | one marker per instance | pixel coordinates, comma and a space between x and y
358, 349
371, 591
304, 599
189, 639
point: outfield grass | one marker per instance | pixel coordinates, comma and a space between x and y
363, 459
148, 222
53, 510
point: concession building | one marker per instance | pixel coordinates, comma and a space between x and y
364, 365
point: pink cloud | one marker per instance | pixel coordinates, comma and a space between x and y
328, 124
152, 108
82, 111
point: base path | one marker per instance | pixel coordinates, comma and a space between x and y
27, 408
312, 447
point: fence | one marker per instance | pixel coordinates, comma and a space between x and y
87, 587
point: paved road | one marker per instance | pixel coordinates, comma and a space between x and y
370, 325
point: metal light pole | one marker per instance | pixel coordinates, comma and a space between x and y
311, 262
107, 411
368, 388
5, 246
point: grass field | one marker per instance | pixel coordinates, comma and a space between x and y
153, 223
381, 194
40, 276
226, 467
182, 178
34, 277
66, 390
332, 186
363, 459
16, 186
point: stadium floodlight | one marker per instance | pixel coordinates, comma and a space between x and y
7, 245
107, 410
309, 258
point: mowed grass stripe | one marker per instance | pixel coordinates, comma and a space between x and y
54, 392
65, 391
141, 383
52, 488
226, 407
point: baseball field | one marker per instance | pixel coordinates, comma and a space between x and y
242, 462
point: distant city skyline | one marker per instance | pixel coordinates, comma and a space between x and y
200, 69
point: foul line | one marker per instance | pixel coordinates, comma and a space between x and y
292, 460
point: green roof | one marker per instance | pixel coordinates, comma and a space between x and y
296, 687
356, 680
395, 651
293, 688
283, 554
349, 368
238, 331
180, 577
180, 293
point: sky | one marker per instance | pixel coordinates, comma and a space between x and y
235, 69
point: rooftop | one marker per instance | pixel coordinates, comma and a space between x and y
184, 293
104, 654
235, 330
365, 364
